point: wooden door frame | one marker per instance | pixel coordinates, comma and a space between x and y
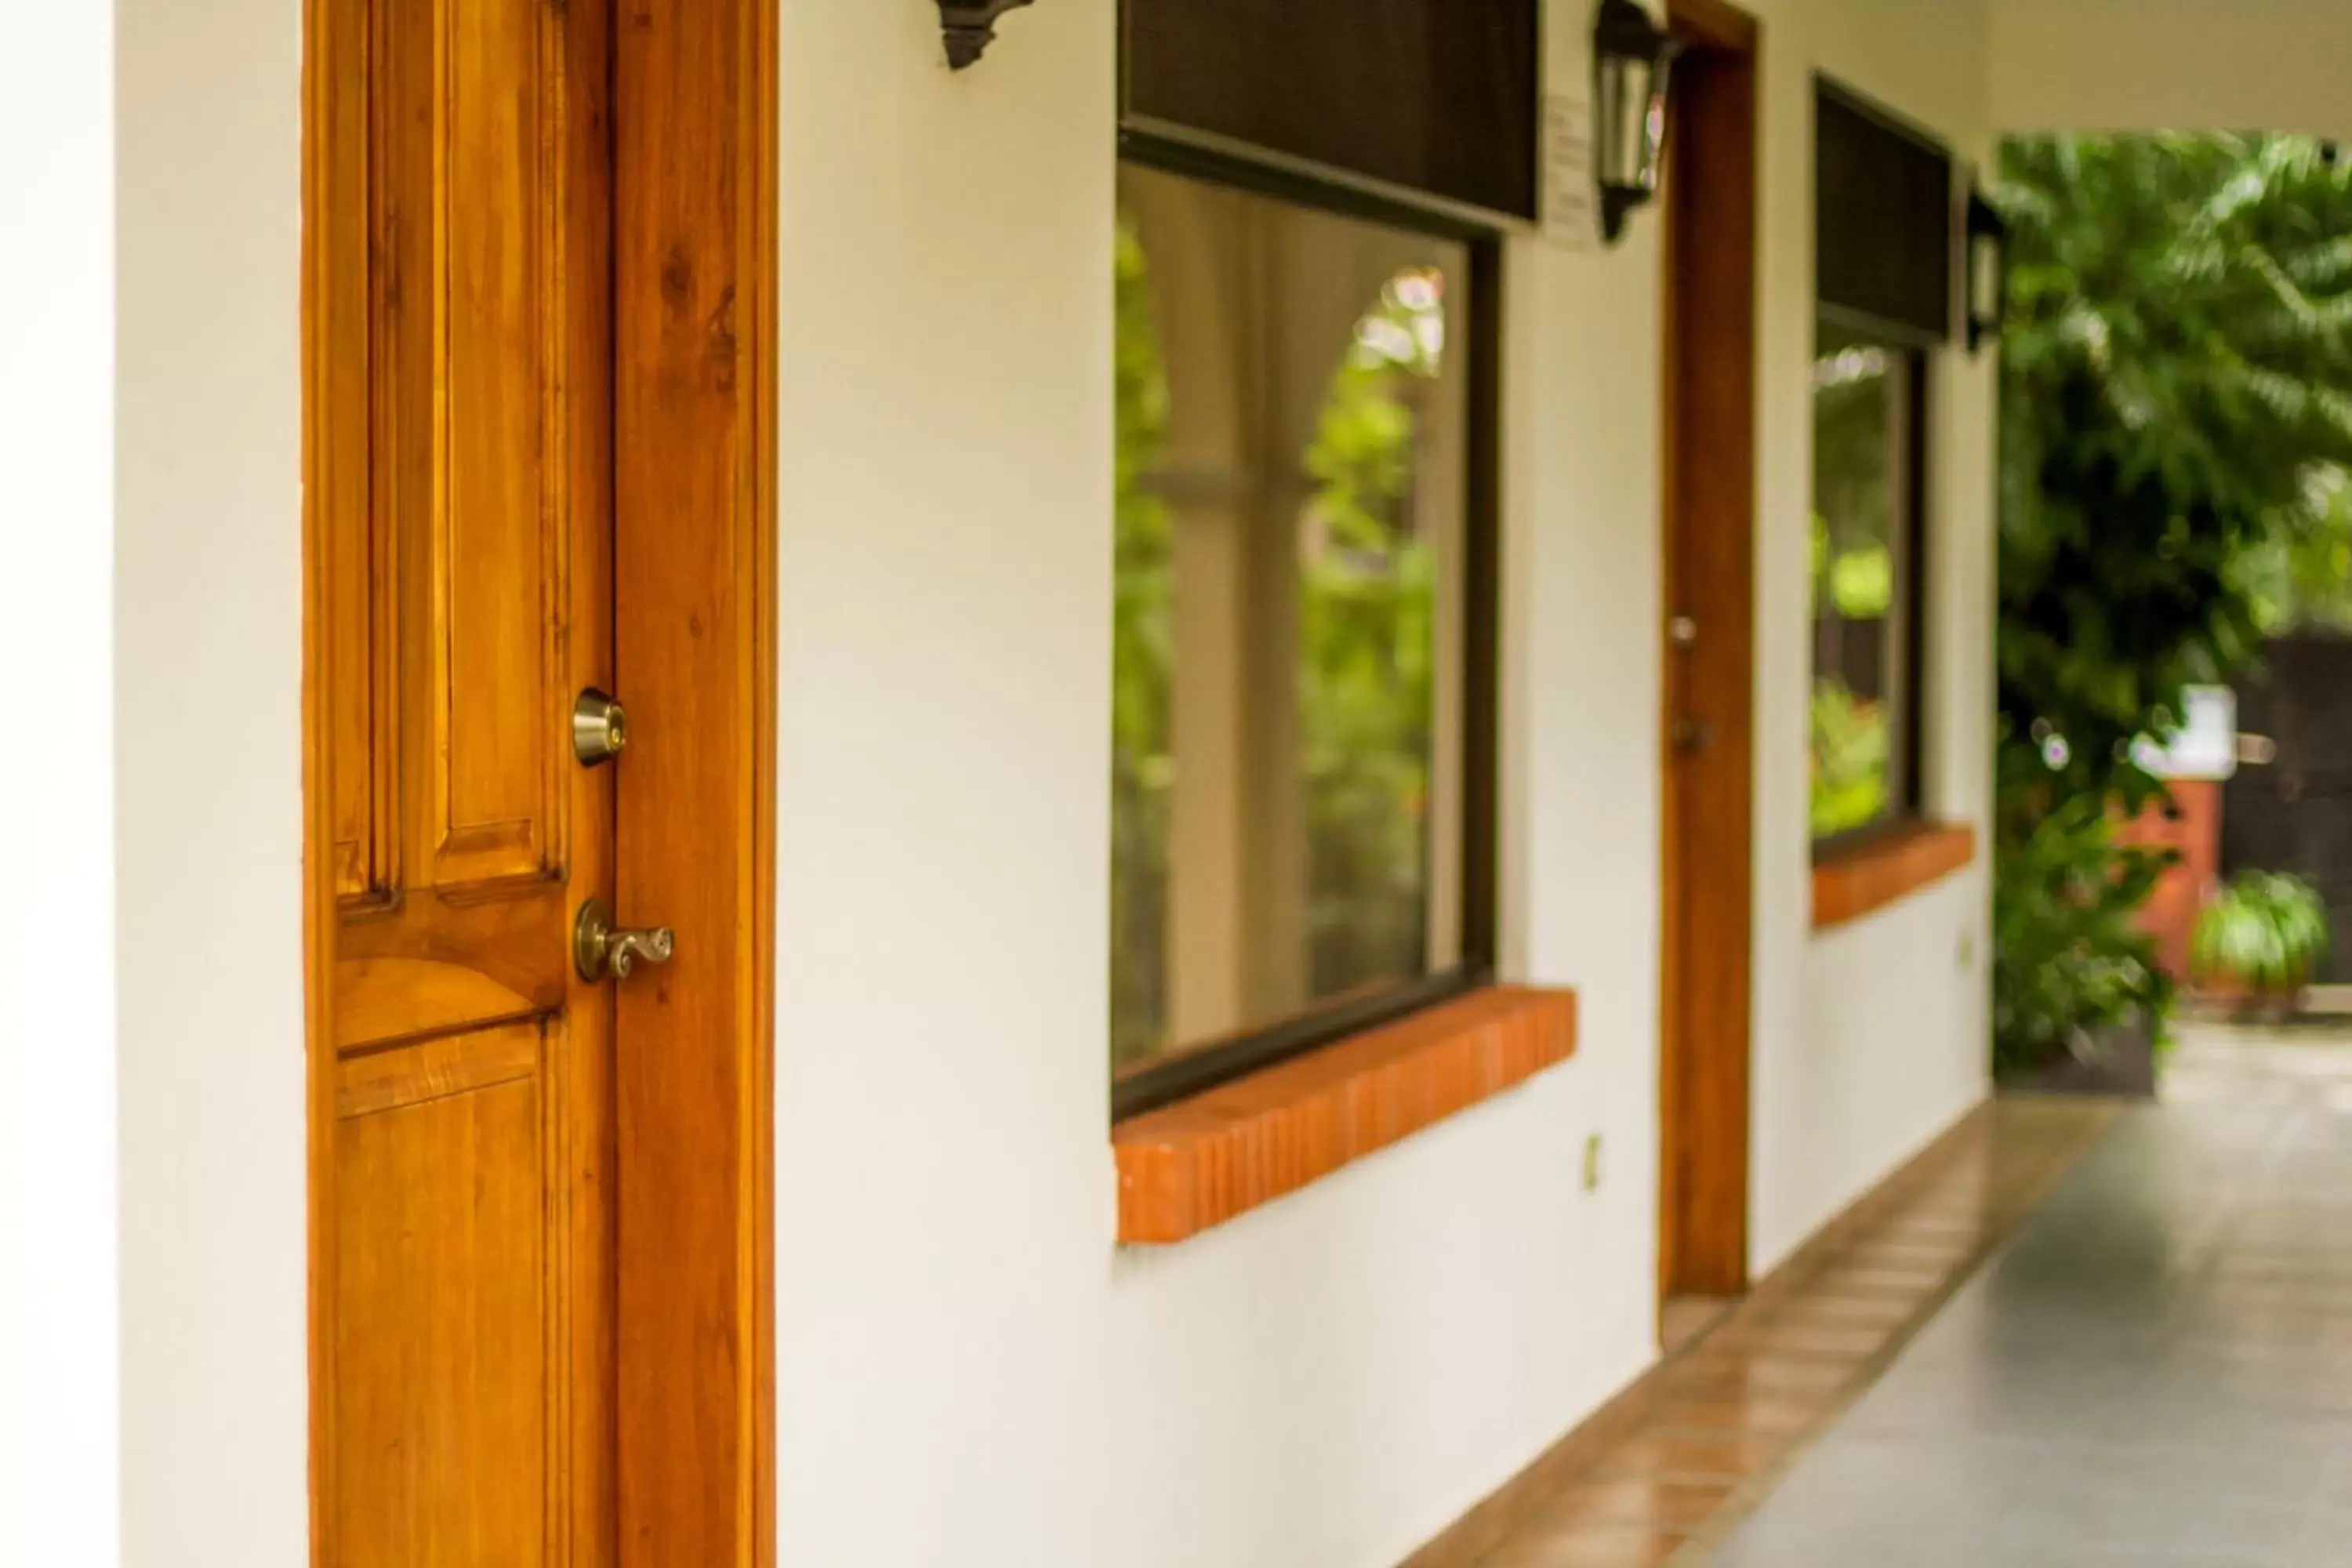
694, 142
1710, 410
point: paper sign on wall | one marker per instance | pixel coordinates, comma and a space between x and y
1569, 221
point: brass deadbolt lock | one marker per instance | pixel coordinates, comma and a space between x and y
600, 728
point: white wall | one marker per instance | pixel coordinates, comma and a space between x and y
1872, 1038
208, 728
968, 1369
943, 1187
59, 1433
153, 1395
1896, 1048
2172, 65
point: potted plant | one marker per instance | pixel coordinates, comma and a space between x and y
2079, 998
2258, 942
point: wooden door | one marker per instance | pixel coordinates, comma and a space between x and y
542, 1280
461, 316
1709, 654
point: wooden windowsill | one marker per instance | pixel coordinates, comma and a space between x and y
1202, 1161
1853, 880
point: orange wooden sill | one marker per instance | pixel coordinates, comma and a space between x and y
1200, 1162
1852, 881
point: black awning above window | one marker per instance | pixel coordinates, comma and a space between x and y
1883, 206
1436, 96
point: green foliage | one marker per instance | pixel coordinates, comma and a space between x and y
1857, 584
1853, 575
2177, 402
2073, 960
1861, 583
1142, 665
2302, 580
2263, 936
1854, 520
1850, 756
2175, 380
1367, 684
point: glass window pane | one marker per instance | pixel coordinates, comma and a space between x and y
1863, 431
1287, 790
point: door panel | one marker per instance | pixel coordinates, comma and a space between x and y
461, 378
1708, 653
442, 1345
493, 558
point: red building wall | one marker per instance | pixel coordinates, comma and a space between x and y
2170, 915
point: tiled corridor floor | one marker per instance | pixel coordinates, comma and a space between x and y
1690, 1448
2071, 1336
2157, 1370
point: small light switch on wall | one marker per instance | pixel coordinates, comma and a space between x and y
1593, 1163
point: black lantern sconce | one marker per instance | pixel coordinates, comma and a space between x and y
1988, 271
969, 27
1633, 58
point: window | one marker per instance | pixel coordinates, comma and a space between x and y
1884, 196
1866, 536
1302, 655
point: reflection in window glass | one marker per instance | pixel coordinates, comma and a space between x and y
1287, 645
1863, 426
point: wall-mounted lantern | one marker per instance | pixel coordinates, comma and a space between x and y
969, 27
1633, 58
1988, 271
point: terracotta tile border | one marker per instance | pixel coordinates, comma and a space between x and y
1200, 1162
1724, 1418
1849, 883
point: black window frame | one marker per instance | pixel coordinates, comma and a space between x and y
1909, 808
1923, 340
1212, 1063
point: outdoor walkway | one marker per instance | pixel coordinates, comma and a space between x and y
2157, 1371
2073, 1336
1685, 1453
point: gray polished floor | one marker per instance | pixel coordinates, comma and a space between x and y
2157, 1370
